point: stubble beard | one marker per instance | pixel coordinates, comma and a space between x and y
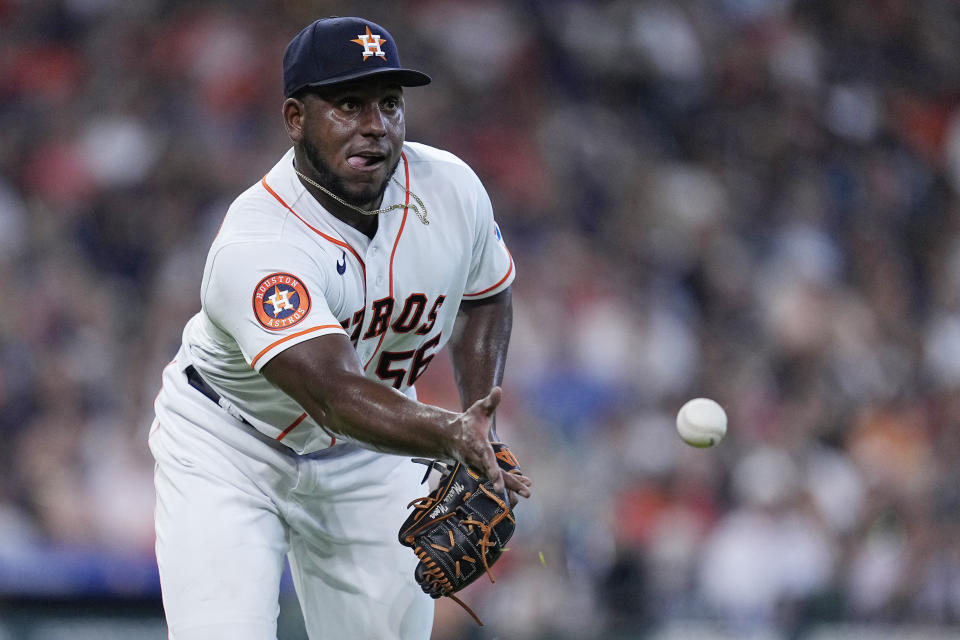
338, 186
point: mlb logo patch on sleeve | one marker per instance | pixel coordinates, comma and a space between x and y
280, 300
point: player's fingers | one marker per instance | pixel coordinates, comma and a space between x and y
492, 470
522, 478
492, 401
516, 484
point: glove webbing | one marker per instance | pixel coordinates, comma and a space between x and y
434, 575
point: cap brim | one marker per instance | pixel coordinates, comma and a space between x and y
403, 77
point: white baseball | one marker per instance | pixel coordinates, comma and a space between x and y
701, 422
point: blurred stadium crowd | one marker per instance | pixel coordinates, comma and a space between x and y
751, 200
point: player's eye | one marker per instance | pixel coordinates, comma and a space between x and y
349, 104
391, 104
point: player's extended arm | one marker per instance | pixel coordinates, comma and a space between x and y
325, 377
478, 349
478, 346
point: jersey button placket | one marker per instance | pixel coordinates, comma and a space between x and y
372, 253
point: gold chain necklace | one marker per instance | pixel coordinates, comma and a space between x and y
421, 211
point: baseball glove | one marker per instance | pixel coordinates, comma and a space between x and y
460, 529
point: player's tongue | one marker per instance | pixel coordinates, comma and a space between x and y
361, 162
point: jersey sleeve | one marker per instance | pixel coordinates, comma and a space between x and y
268, 296
491, 267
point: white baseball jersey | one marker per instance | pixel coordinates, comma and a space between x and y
282, 270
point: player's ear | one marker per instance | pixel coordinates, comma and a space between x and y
293, 113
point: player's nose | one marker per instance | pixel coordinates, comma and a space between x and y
373, 121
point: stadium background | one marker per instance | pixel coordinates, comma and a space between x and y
753, 200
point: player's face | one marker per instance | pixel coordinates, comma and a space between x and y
352, 136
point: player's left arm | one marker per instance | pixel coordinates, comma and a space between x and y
481, 331
479, 343
478, 349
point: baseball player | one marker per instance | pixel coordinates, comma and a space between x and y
286, 422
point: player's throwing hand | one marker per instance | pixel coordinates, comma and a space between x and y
472, 432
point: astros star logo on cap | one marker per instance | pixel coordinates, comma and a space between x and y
371, 44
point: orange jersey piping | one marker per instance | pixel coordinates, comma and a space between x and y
293, 425
270, 346
403, 223
339, 243
500, 282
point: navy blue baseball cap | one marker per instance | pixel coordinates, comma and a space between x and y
335, 50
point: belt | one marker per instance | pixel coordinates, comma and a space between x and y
198, 383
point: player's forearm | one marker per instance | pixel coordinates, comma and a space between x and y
479, 344
326, 379
387, 420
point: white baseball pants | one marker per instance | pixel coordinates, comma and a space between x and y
231, 502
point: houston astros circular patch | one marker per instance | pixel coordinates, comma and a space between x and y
280, 300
